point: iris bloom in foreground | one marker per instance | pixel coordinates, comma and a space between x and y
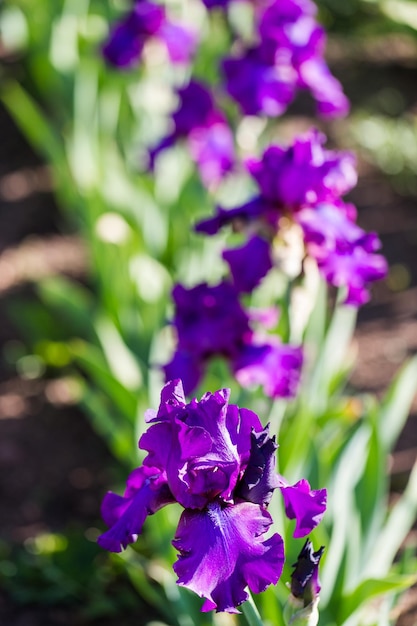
217, 461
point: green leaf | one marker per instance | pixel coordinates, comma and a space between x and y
396, 528
92, 361
370, 589
122, 363
395, 407
116, 432
72, 302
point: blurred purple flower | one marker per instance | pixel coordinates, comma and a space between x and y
271, 364
211, 322
145, 20
302, 185
218, 462
204, 127
288, 57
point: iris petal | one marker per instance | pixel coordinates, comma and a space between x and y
146, 493
304, 505
223, 549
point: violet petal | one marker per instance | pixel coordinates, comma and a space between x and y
304, 505
223, 550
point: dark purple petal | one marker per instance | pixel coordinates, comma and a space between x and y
260, 479
305, 577
187, 366
277, 367
127, 38
304, 505
146, 493
213, 4
172, 396
196, 108
196, 113
249, 263
223, 550
123, 47
258, 86
239, 217
282, 12
209, 320
166, 142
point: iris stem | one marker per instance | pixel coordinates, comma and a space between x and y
250, 611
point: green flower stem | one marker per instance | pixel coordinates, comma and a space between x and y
250, 611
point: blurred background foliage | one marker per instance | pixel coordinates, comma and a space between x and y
107, 333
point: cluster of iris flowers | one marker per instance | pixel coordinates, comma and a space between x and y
286, 55
213, 458
218, 462
300, 190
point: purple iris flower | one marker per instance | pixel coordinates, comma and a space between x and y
302, 185
145, 20
204, 127
288, 57
218, 462
305, 577
211, 322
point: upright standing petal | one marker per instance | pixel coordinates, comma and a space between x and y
260, 479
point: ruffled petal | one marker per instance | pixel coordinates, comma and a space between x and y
223, 550
203, 446
146, 493
304, 505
